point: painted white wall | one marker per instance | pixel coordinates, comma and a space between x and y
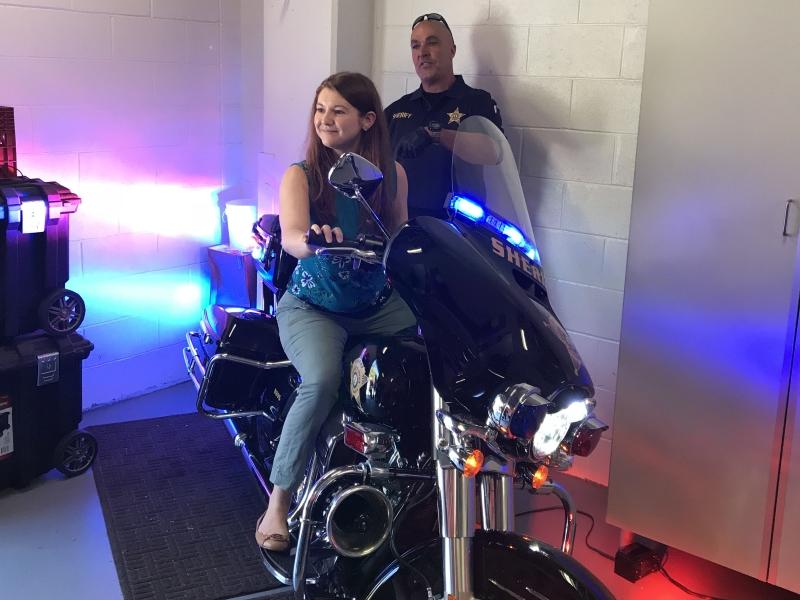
298, 55
354, 33
304, 42
135, 106
249, 97
567, 77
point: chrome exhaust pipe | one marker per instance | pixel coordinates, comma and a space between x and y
359, 520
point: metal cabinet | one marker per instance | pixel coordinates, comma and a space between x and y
785, 556
706, 444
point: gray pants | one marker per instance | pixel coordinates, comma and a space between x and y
314, 341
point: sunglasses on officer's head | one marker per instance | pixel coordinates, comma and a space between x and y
430, 17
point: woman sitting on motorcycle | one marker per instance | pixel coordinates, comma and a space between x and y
330, 298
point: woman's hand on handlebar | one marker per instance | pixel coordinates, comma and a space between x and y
320, 235
330, 241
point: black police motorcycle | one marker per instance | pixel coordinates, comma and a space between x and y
435, 425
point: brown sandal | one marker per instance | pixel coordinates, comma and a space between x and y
274, 542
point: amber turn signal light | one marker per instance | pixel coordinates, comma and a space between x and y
473, 463
539, 477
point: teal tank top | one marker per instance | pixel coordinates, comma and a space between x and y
335, 283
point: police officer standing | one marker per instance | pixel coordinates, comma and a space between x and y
422, 124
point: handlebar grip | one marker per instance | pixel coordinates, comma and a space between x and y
362, 242
371, 245
316, 239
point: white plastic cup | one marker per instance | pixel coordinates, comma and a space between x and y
240, 215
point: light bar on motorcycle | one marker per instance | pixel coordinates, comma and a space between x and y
515, 237
473, 211
468, 208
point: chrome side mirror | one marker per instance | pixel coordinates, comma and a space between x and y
354, 175
357, 178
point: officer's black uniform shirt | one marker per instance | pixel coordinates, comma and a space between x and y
429, 174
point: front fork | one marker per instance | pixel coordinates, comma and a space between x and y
457, 511
497, 501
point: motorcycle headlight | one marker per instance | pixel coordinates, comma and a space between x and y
518, 412
555, 426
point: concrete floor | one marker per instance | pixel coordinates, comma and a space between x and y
53, 542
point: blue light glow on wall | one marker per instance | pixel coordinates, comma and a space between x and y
173, 296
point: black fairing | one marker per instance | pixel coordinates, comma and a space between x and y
486, 320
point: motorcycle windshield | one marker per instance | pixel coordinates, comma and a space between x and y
476, 285
485, 176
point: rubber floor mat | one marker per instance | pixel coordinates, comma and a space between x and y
180, 507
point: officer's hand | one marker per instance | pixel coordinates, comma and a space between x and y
412, 144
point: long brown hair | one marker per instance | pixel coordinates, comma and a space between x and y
373, 145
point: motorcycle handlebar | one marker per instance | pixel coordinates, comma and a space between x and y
361, 242
365, 247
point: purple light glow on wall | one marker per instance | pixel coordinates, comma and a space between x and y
728, 342
176, 211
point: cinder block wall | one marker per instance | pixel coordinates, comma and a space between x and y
134, 105
567, 77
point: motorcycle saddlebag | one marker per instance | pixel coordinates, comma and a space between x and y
244, 333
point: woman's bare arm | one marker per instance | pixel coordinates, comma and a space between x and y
294, 212
295, 215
